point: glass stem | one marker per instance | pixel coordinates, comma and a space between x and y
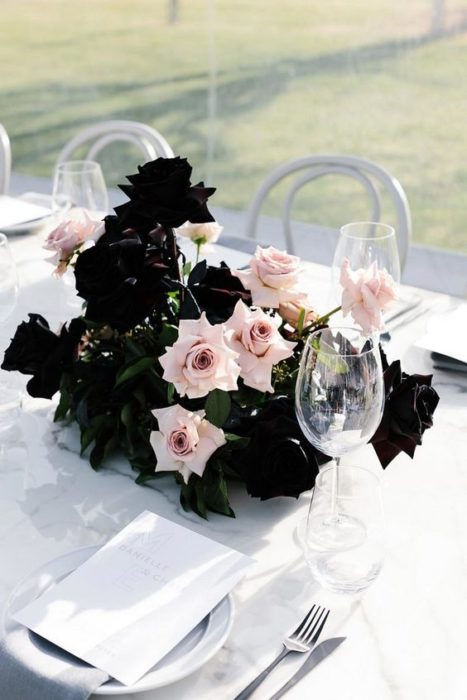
335, 488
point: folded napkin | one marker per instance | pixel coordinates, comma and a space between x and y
33, 669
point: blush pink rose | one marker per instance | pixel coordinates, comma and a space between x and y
290, 311
200, 360
365, 294
273, 277
200, 234
260, 346
184, 441
68, 237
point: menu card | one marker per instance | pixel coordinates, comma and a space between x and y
16, 211
137, 597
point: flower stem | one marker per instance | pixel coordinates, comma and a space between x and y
198, 249
326, 317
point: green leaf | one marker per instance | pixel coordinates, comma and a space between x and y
216, 491
131, 370
236, 442
217, 407
64, 405
133, 350
170, 392
126, 416
144, 478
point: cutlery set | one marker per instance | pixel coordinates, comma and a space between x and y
302, 641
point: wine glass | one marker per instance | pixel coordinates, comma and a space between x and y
347, 565
339, 398
10, 389
363, 244
79, 190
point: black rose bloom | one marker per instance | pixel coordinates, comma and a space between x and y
408, 412
279, 460
218, 292
121, 282
36, 350
161, 193
101, 268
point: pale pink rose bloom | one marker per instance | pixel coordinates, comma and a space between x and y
290, 311
200, 361
184, 441
273, 277
260, 346
68, 237
365, 294
207, 232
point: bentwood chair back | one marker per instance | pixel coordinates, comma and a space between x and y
5, 160
301, 171
98, 136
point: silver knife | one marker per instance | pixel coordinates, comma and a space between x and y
318, 654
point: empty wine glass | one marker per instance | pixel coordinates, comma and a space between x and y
79, 190
339, 398
346, 565
10, 390
8, 280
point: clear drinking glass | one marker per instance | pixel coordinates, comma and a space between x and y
10, 387
339, 391
79, 188
347, 564
8, 280
339, 399
363, 243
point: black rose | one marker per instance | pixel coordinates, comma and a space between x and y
36, 350
100, 269
408, 412
218, 292
279, 460
161, 193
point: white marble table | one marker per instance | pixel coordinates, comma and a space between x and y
406, 635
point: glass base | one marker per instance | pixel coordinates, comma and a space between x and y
336, 532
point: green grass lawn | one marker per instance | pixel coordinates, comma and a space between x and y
240, 85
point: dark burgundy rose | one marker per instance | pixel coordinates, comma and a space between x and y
218, 292
161, 193
31, 344
100, 269
279, 460
36, 350
408, 412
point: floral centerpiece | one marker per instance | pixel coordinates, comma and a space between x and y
191, 370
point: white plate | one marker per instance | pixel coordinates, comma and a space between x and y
42, 200
189, 655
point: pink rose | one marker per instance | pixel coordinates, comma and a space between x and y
290, 311
273, 277
184, 441
68, 237
260, 346
200, 360
200, 234
365, 293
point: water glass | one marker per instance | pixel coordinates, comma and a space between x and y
345, 559
79, 188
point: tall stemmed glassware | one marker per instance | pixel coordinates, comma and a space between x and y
79, 189
10, 393
364, 244
339, 399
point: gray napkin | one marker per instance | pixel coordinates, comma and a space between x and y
32, 668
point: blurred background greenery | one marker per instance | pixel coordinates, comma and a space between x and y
238, 86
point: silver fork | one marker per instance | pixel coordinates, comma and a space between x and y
301, 640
